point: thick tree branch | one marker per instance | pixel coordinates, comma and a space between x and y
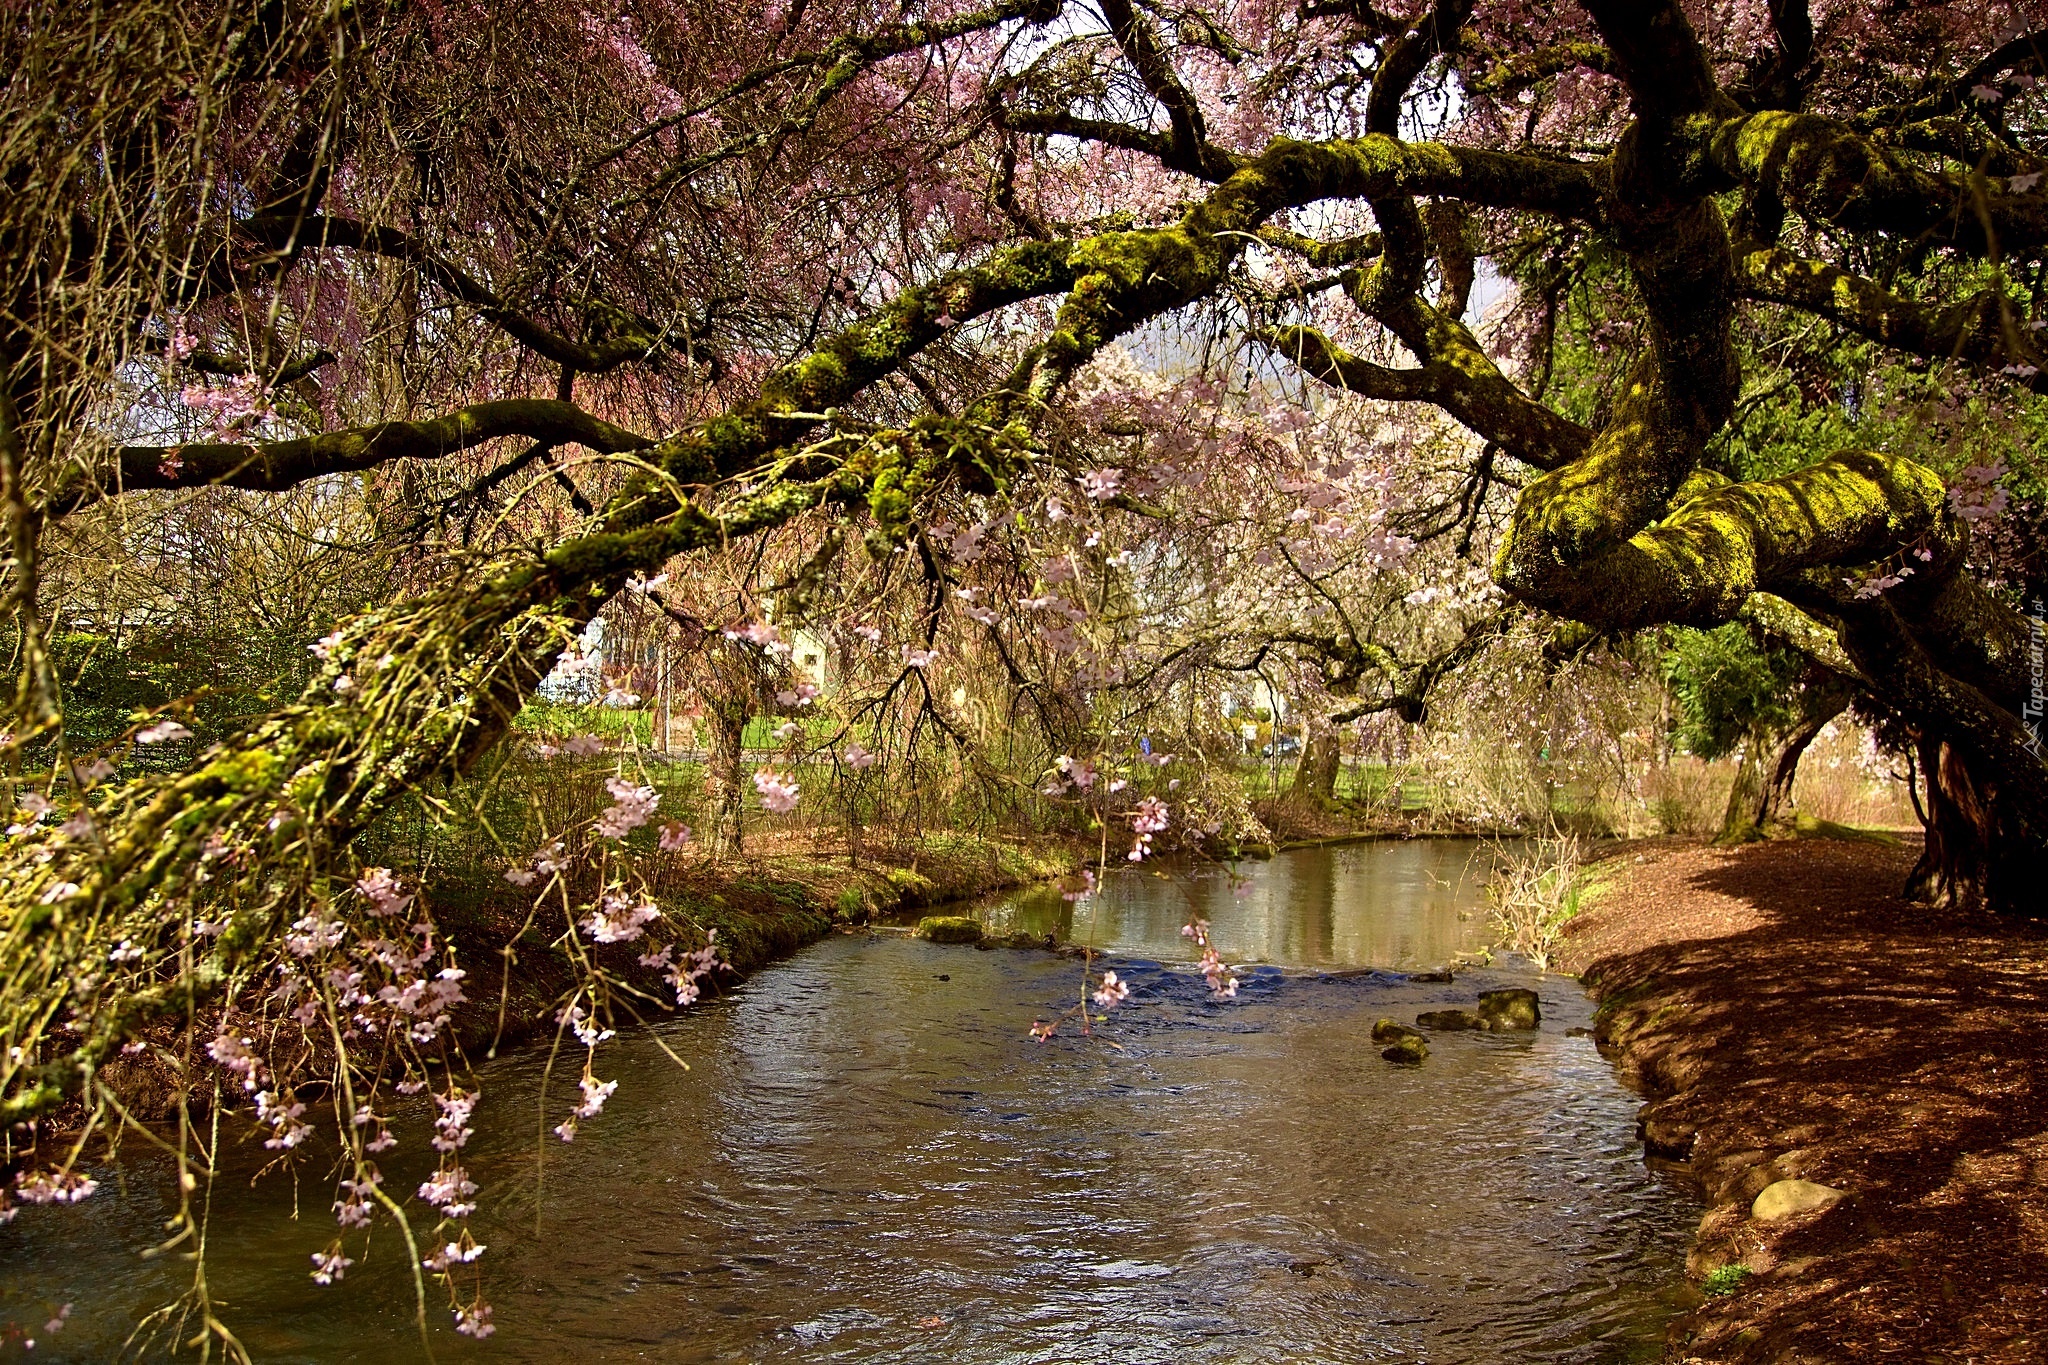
1831, 175
1976, 329
273, 465
1464, 383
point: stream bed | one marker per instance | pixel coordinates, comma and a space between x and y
871, 1160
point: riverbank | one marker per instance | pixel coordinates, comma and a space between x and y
1789, 1016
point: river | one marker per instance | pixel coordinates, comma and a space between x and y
871, 1160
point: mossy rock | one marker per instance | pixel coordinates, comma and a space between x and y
1450, 1021
1407, 1048
911, 887
950, 929
1512, 1009
1389, 1031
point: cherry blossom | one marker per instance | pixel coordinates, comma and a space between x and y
1112, 992
329, 1265
620, 919
632, 806
778, 793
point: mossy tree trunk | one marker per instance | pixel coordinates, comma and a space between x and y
1315, 771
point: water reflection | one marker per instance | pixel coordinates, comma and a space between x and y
871, 1163
1407, 905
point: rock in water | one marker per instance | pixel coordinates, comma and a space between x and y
1506, 1010
1787, 1197
1388, 1031
1407, 1051
1450, 1019
950, 928
1406, 1045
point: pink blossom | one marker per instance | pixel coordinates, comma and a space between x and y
1101, 484
161, 732
382, 891
329, 1265
778, 793
675, 837
53, 1187
452, 1254
619, 920
918, 658
632, 807
474, 1321
449, 1190
234, 1055
1113, 991
857, 757
595, 1093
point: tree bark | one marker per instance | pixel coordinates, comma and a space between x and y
1315, 772
1974, 853
1762, 794
723, 799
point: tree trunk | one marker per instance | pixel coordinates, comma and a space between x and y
724, 801
1743, 821
1762, 794
1315, 772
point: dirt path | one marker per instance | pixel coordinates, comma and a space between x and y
1790, 1017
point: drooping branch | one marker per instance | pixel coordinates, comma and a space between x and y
623, 337
1496, 73
1058, 123
2027, 53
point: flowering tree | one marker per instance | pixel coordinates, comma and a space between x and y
640, 285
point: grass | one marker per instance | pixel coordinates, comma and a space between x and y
1726, 1280
1535, 894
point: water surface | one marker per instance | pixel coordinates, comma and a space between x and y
870, 1160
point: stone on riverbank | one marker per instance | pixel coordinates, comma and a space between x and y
1785, 1198
1511, 1009
1450, 1020
1406, 1046
950, 929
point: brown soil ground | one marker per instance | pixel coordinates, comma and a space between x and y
1788, 1015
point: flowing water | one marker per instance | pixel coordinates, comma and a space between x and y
871, 1161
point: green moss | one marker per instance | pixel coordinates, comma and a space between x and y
950, 929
